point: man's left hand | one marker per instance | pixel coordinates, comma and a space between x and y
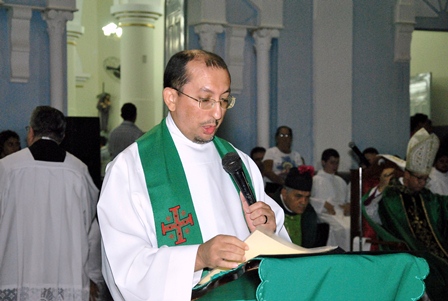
260, 215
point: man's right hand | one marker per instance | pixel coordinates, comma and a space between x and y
222, 251
330, 208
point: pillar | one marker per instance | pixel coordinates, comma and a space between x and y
138, 59
56, 22
263, 38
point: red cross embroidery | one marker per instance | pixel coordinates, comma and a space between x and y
178, 224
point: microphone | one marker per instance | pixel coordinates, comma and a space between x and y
356, 150
231, 163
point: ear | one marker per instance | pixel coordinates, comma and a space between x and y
170, 98
30, 137
284, 193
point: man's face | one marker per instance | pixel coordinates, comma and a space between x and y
414, 182
284, 140
296, 200
11, 146
331, 165
442, 164
197, 124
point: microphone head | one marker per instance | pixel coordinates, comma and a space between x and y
231, 162
351, 144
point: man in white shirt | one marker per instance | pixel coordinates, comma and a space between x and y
168, 211
438, 178
329, 197
49, 237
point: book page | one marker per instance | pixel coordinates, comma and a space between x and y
261, 243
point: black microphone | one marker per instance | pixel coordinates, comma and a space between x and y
361, 157
231, 163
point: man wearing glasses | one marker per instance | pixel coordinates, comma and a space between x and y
411, 214
168, 211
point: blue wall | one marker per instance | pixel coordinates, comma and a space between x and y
380, 86
295, 73
17, 100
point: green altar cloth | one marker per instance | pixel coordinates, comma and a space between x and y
397, 276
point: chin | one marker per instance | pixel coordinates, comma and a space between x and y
201, 140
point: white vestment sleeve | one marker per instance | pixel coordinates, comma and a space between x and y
139, 269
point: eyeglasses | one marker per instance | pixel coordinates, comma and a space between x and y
284, 135
209, 103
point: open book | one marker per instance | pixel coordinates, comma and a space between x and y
261, 243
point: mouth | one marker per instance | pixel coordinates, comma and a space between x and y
210, 128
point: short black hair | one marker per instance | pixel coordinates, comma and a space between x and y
257, 149
129, 111
176, 75
417, 119
5, 135
370, 150
442, 152
329, 152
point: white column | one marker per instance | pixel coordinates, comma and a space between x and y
74, 66
73, 34
138, 58
56, 22
263, 38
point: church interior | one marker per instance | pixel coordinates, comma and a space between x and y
339, 73
334, 72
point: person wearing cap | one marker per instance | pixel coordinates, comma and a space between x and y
411, 214
300, 217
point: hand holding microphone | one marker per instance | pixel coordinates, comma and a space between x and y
261, 213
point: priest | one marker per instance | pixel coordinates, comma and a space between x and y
412, 215
300, 216
168, 211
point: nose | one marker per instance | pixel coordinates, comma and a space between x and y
217, 111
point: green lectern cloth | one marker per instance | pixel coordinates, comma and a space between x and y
334, 277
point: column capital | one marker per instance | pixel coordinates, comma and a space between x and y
263, 38
133, 14
74, 32
207, 35
57, 20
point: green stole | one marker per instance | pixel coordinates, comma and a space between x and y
293, 225
174, 214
